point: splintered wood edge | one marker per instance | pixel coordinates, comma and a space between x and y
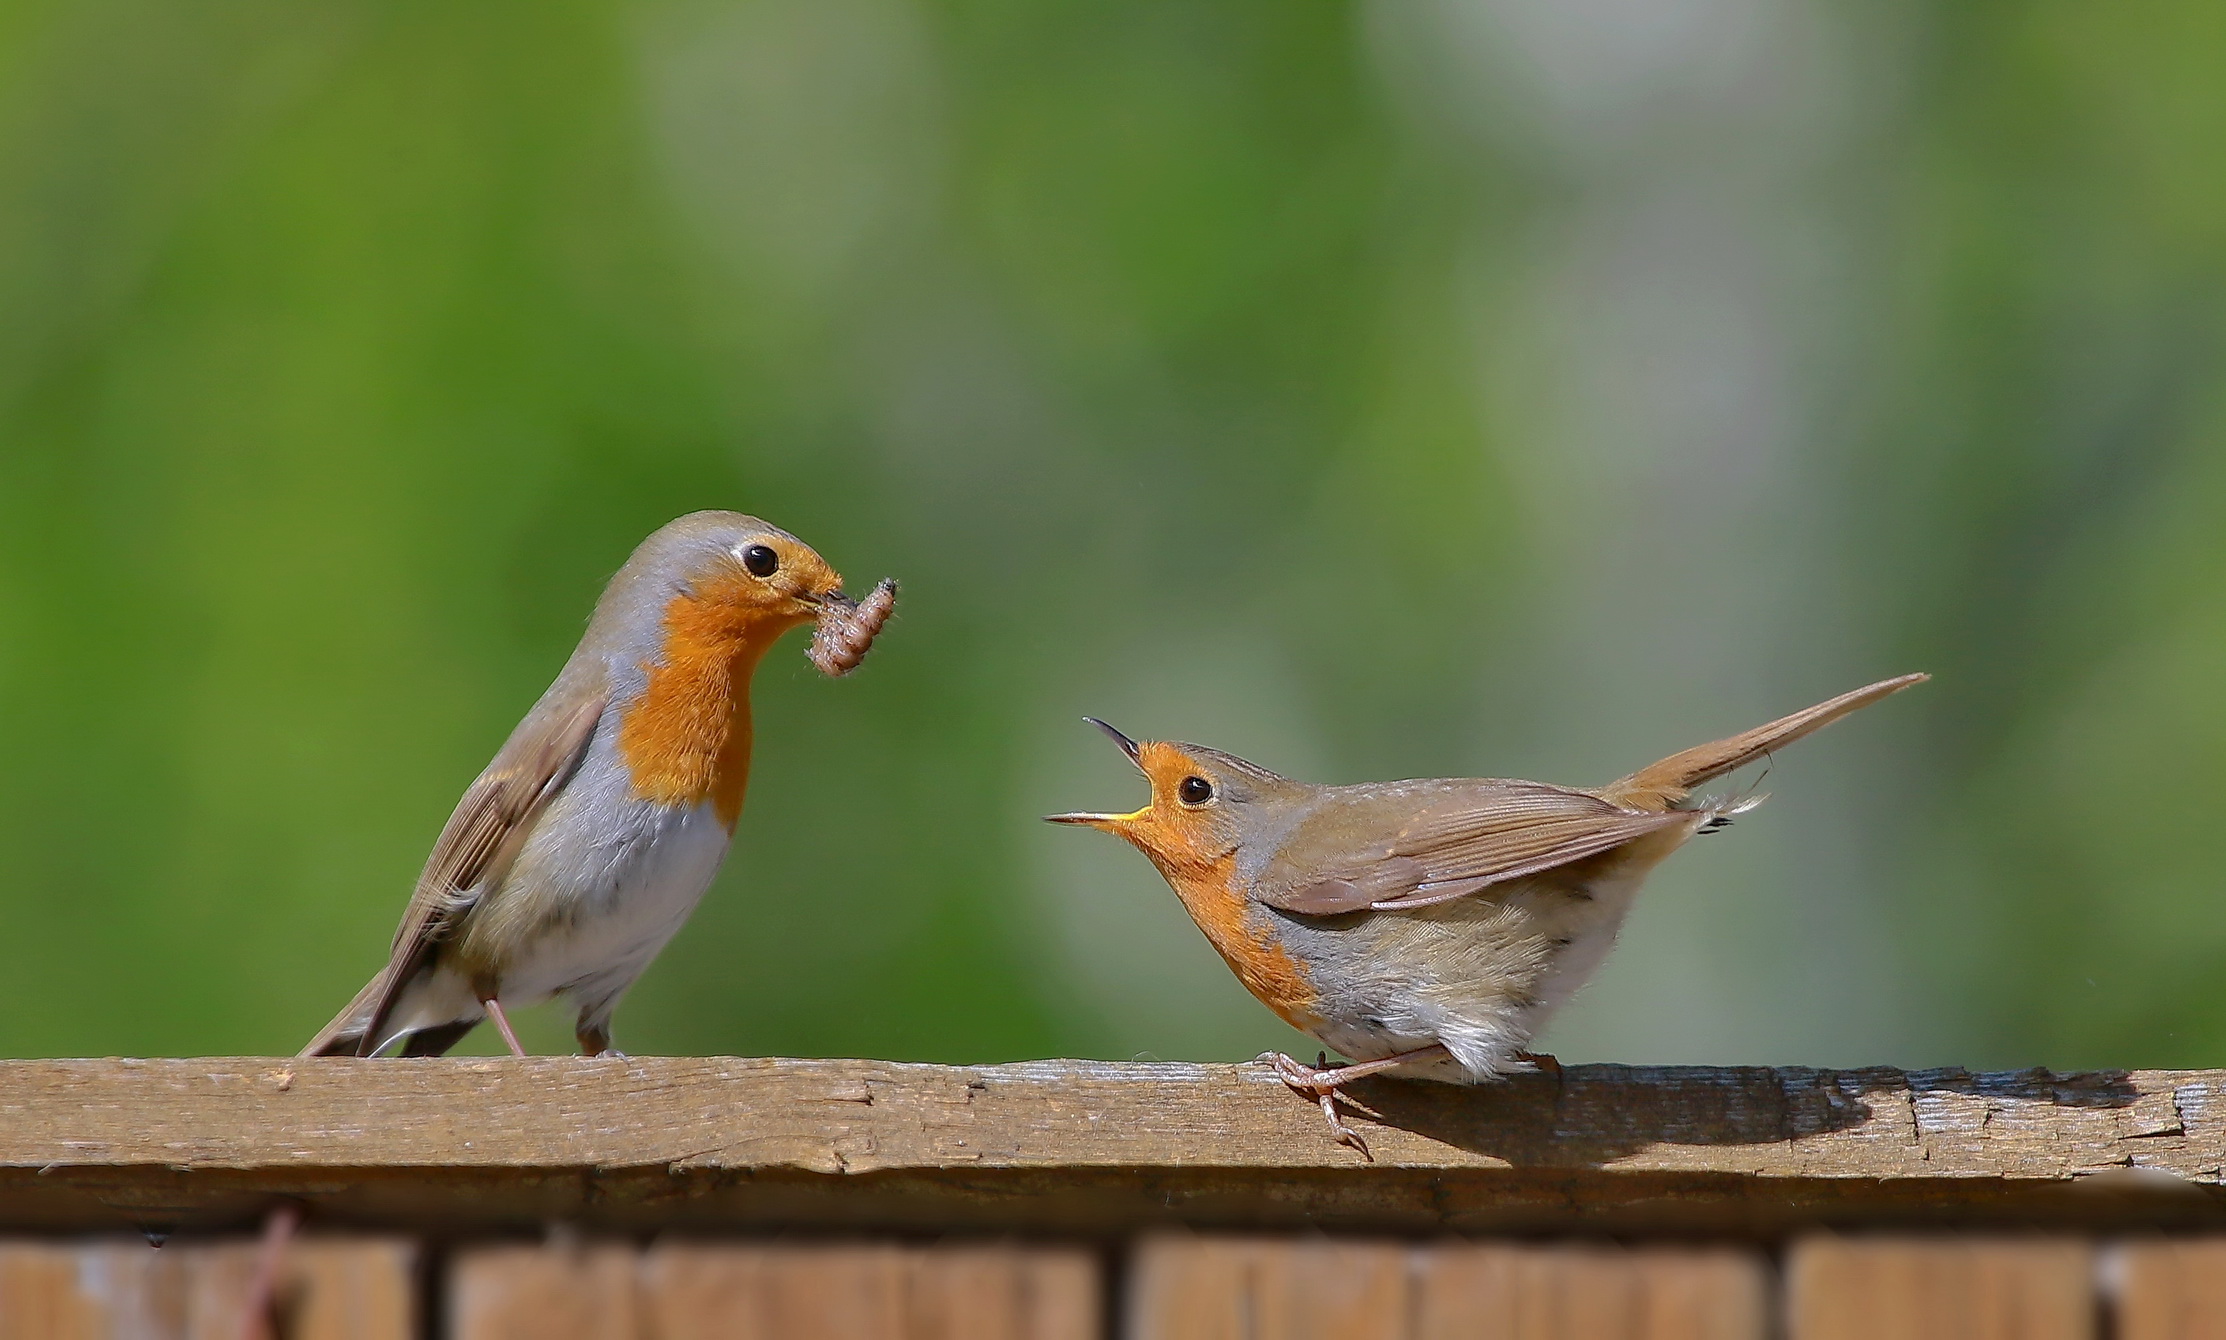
641, 1144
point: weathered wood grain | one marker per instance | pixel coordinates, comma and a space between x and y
1091, 1147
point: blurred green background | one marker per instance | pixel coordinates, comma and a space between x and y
1521, 387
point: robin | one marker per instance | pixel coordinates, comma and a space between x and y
587, 842
1425, 928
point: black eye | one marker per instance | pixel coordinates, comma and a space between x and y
1194, 790
761, 561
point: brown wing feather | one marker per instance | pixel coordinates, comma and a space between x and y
1485, 833
480, 840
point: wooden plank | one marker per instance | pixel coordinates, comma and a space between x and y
1317, 1289
329, 1289
692, 1290
1950, 1288
873, 1116
1500, 1292
89, 1291
724, 1143
1185, 1288
554, 1292
2171, 1290
729, 1291
1191, 1289
709, 1292
1221, 1288
1003, 1292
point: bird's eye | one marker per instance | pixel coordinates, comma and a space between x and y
1194, 790
761, 561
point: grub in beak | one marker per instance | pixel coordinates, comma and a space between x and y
847, 627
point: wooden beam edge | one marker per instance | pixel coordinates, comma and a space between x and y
845, 1117
1087, 1149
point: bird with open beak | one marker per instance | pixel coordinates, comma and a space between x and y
1425, 928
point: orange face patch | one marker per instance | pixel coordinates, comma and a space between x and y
688, 738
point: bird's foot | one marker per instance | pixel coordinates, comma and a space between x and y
1318, 1082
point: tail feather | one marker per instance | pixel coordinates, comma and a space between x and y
1661, 785
344, 1035
336, 1044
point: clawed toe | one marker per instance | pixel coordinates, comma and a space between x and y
1320, 1084
1313, 1081
1346, 1135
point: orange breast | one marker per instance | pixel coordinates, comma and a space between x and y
687, 740
1246, 942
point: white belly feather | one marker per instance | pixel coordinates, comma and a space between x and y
626, 899
605, 881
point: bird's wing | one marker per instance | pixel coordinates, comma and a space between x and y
474, 850
1465, 839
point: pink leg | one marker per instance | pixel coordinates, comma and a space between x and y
256, 1323
1321, 1083
502, 1025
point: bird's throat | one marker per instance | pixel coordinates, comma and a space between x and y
1243, 937
687, 739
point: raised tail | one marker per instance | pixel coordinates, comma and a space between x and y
1660, 785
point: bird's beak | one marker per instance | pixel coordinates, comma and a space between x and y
1122, 825
831, 596
1105, 821
1111, 823
1128, 746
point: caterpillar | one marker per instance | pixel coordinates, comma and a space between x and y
847, 628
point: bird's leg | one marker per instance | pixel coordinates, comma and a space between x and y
279, 1227
1321, 1082
502, 1025
1544, 1061
595, 1040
